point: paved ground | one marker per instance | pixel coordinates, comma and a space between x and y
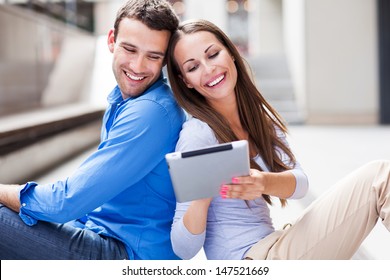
327, 153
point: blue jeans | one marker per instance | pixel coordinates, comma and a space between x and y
50, 241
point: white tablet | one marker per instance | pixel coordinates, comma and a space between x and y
200, 173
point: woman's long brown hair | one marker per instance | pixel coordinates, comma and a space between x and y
257, 116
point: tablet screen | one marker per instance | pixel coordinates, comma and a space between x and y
200, 173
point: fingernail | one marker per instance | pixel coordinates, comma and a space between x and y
223, 191
224, 188
235, 180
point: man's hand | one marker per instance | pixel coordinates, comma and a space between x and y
9, 196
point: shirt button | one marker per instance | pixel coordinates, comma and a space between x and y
24, 204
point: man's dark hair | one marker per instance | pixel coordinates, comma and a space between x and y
155, 14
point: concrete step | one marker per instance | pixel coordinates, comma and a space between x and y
274, 82
34, 141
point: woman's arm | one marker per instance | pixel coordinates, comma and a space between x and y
280, 184
292, 184
189, 228
190, 222
195, 218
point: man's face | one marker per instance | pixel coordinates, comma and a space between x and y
138, 56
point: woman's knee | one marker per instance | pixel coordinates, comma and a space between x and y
378, 165
378, 173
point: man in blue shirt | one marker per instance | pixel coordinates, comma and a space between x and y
119, 203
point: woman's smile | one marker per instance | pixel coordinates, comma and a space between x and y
216, 81
206, 65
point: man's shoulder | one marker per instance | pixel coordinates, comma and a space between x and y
159, 93
162, 98
156, 105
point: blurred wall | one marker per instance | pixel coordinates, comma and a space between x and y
42, 62
214, 11
333, 55
330, 47
105, 12
265, 28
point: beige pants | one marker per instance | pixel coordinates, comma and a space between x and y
335, 225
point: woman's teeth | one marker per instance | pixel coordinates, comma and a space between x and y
216, 81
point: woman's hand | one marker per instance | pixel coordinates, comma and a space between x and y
278, 184
246, 187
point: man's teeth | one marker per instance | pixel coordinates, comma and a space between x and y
216, 81
134, 77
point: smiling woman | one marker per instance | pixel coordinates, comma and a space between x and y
210, 81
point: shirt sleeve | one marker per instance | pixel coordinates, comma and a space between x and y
128, 154
302, 182
185, 244
195, 134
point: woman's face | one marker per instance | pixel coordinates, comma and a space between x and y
206, 65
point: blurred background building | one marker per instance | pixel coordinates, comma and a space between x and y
320, 63
317, 61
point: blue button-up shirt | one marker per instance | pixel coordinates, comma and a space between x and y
123, 190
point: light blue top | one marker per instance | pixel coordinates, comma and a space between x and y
232, 225
123, 190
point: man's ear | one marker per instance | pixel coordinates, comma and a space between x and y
111, 40
185, 81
